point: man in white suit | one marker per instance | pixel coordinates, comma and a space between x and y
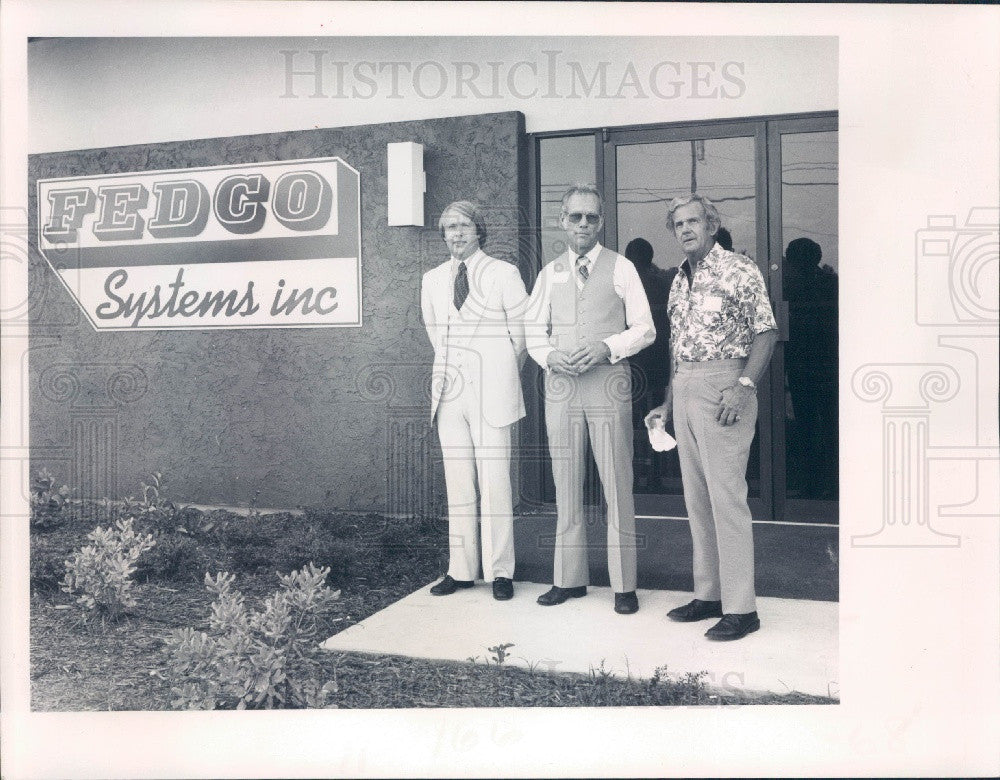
473, 308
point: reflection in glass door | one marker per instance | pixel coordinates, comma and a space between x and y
775, 183
648, 176
809, 282
643, 179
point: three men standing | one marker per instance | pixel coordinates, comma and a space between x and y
472, 306
722, 334
589, 312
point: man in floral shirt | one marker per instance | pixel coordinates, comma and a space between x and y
722, 335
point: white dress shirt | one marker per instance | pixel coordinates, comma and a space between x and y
639, 332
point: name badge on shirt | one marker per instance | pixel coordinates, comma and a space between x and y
712, 303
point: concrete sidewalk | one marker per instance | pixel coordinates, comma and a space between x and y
795, 649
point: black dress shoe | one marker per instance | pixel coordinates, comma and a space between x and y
696, 610
733, 626
626, 603
449, 585
558, 595
503, 588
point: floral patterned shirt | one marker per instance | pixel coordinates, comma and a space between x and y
718, 316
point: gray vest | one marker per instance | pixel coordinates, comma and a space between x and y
590, 314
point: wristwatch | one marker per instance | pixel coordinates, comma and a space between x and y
747, 382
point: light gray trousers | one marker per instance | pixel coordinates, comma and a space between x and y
713, 461
595, 404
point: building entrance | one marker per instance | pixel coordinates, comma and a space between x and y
774, 180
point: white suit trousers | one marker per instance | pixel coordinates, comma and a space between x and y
476, 452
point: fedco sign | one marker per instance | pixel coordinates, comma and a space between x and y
232, 246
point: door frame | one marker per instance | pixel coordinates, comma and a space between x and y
803, 510
766, 130
760, 505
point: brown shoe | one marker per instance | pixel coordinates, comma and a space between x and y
696, 610
558, 595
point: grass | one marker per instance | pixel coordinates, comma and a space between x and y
87, 665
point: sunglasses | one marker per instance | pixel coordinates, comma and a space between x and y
577, 217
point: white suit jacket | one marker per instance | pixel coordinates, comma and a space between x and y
486, 342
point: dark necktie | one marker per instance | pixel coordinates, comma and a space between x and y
581, 268
461, 285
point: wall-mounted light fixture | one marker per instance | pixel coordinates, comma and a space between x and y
407, 183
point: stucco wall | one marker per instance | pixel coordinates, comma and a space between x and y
334, 414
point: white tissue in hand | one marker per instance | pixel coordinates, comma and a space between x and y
660, 440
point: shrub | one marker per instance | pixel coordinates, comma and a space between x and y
400, 541
254, 659
315, 545
252, 532
101, 572
331, 521
174, 558
47, 500
251, 544
48, 563
285, 542
198, 524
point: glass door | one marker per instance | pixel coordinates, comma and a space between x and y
774, 180
803, 177
643, 171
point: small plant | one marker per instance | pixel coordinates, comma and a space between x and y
194, 523
47, 500
605, 690
688, 688
100, 573
253, 513
255, 659
153, 509
499, 658
500, 654
602, 674
151, 493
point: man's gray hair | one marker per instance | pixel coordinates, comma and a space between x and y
584, 189
711, 212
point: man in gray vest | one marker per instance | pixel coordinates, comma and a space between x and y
591, 314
